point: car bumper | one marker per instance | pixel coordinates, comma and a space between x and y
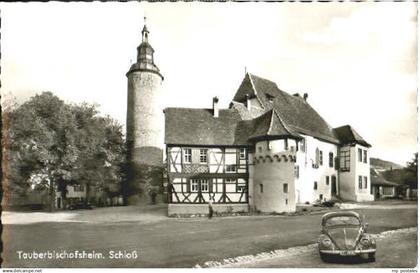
347, 252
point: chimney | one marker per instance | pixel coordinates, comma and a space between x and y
216, 107
248, 102
305, 96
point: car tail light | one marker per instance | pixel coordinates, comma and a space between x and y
326, 241
365, 241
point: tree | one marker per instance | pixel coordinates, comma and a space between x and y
63, 144
411, 173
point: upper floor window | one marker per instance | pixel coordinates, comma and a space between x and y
327, 180
364, 156
242, 153
231, 168
317, 156
203, 155
345, 160
79, 188
187, 155
360, 182
359, 153
261, 188
286, 144
285, 188
331, 160
320, 158
315, 185
303, 145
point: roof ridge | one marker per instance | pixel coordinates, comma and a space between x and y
270, 127
255, 89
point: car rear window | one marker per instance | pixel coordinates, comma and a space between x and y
342, 220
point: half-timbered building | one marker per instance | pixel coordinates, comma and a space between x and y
267, 152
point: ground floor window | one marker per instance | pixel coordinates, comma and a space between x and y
360, 182
201, 190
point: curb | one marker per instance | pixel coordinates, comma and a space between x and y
291, 251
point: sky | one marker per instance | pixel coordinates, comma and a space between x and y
357, 61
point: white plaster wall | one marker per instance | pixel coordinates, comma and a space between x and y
272, 174
308, 175
349, 181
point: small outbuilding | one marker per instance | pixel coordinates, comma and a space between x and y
382, 188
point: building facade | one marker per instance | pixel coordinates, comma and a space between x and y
268, 152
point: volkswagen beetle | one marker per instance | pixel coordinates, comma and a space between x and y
344, 234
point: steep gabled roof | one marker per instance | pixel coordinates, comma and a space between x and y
377, 179
191, 126
347, 135
295, 111
270, 125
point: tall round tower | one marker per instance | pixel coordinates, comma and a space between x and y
145, 121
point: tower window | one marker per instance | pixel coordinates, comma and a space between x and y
315, 185
261, 188
360, 154
187, 155
364, 156
285, 188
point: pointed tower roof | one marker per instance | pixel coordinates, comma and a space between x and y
145, 58
271, 126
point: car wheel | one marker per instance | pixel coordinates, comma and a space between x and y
372, 257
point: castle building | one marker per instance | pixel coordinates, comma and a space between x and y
145, 122
267, 152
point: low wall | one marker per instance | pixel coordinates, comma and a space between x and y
174, 209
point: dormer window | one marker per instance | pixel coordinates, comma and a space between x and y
269, 97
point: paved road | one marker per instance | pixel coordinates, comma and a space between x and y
396, 251
172, 242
